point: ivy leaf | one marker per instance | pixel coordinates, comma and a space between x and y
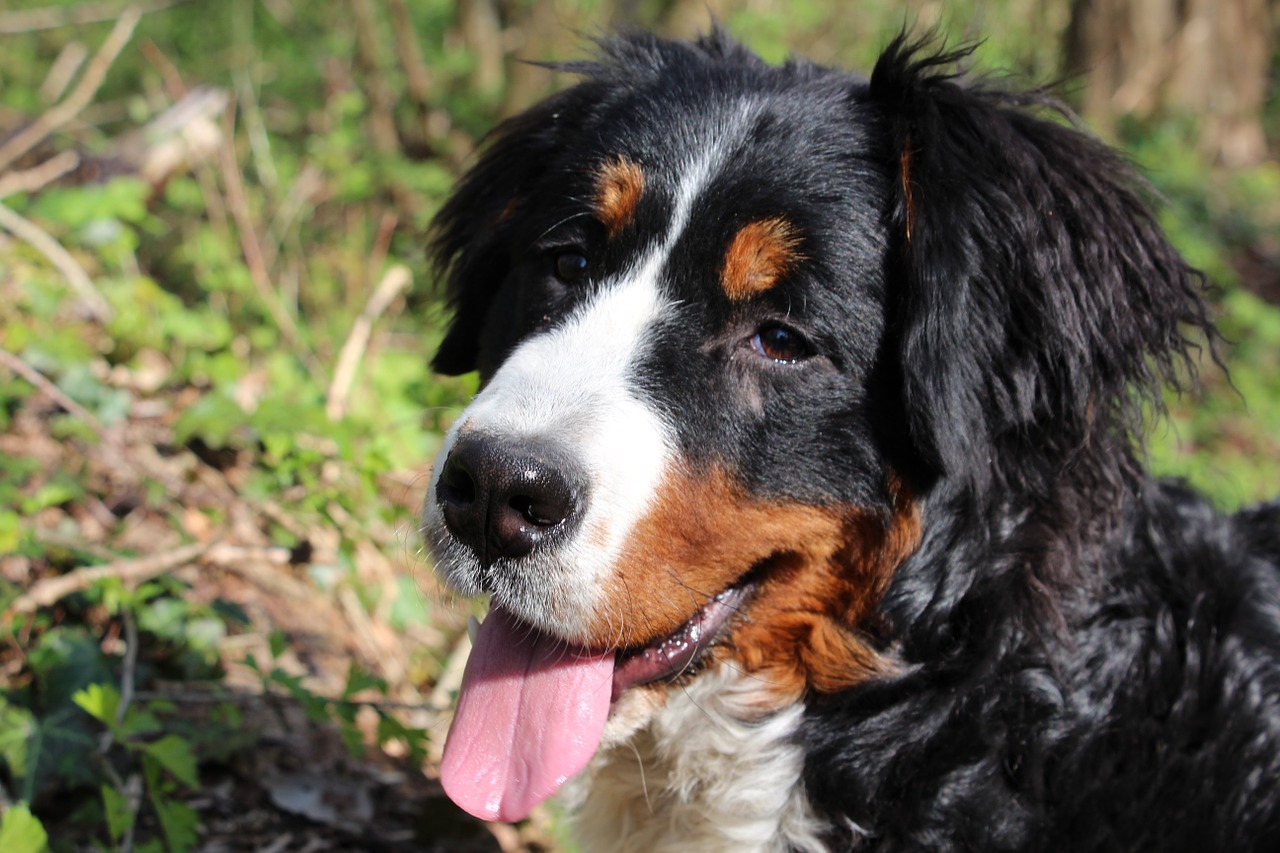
22, 832
17, 727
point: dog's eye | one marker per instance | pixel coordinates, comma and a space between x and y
780, 344
570, 266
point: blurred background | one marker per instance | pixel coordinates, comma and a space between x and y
216, 414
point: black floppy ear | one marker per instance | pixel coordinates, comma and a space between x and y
1032, 293
470, 232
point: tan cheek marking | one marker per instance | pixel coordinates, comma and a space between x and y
806, 625
619, 186
828, 567
758, 256
700, 535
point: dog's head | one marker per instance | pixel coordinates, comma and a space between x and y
734, 323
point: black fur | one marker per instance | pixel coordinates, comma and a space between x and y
1088, 655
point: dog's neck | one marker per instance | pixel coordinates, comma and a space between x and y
701, 771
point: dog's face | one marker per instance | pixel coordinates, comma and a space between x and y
677, 360
731, 321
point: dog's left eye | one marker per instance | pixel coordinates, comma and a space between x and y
779, 343
570, 266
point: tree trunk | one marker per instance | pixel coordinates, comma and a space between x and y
1206, 58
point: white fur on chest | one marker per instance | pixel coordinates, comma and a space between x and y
695, 777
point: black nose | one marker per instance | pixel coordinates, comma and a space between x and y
503, 500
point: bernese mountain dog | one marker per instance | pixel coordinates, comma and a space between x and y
806, 475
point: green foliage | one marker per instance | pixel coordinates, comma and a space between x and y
343, 709
21, 832
167, 764
1225, 438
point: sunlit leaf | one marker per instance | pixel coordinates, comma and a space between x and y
22, 832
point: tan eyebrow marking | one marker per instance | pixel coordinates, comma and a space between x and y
619, 185
758, 256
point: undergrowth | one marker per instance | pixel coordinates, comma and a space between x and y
213, 437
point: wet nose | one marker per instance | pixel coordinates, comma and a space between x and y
505, 500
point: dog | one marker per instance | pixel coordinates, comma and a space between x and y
806, 475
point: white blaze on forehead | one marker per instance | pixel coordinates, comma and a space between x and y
575, 385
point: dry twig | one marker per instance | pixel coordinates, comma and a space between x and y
38, 177
66, 109
394, 282
51, 17
52, 590
63, 71
39, 239
50, 390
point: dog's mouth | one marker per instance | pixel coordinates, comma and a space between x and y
680, 652
532, 710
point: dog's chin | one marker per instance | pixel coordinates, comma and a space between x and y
632, 712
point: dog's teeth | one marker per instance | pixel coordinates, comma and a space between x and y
473, 626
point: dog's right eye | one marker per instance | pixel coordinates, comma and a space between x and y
779, 343
570, 266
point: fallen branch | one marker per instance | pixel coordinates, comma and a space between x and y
51, 17
50, 591
53, 392
68, 108
38, 177
39, 239
394, 282
63, 71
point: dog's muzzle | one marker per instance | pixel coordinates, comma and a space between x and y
503, 500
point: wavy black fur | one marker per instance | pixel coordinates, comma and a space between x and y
1093, 653
1089, 656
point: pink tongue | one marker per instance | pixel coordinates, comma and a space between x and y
530, 715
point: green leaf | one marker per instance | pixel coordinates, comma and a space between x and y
174, 754
214, 418
17, 727
120, 816
101, 701
278, 643
179, 822
65, 660
13, 530
352, 738
139, 721
389, 729
410, 606
21, 831
56, 754
359, 679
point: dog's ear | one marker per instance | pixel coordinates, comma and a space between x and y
1034, 302
469, 235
